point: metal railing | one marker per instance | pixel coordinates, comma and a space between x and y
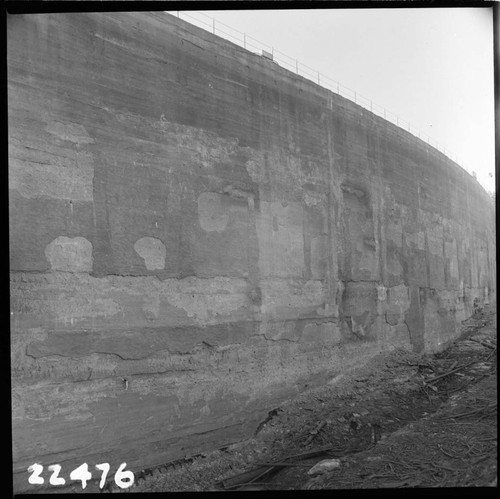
251, 44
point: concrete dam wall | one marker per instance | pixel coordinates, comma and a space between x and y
197, 234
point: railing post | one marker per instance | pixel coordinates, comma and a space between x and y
422, 136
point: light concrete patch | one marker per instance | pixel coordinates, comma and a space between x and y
281, 239
153, 252
416, 239
381, 293
399, 297
451, 253
435, 240
50, 170
71, 132
206, 300
394, 232
319, 256
211, 213
70, 254
294, 296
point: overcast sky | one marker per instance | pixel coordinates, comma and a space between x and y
432, 67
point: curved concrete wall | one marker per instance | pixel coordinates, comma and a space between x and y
197, 234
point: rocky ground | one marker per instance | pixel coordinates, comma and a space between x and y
403, 420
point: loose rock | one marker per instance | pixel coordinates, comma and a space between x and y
324, 467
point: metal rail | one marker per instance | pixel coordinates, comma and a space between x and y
251, 44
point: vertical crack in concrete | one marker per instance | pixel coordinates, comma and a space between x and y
332, 261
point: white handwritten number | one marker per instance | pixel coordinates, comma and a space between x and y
81, 473
35, 478
104, 467
54, 478
124, 479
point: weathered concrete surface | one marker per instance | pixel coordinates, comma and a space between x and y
197, 234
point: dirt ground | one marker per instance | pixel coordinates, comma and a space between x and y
403, 420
